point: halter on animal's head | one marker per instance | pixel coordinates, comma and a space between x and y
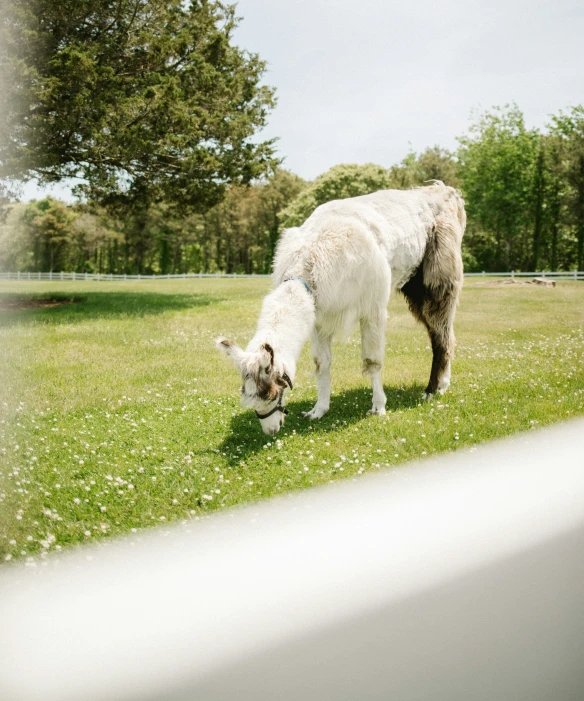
278, 406
264, 382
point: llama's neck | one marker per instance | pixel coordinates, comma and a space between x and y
285, 322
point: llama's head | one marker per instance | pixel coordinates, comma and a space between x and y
264, 382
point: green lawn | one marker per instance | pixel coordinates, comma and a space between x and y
118, 413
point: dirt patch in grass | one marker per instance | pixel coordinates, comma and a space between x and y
20, 304
541, 282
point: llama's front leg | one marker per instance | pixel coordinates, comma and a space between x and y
372, 352
322, 356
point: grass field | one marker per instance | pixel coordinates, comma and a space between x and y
118, 413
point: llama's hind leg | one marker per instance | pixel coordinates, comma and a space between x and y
435, 308
438, 316
322, 356
372, 352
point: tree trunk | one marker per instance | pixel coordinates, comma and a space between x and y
539, 190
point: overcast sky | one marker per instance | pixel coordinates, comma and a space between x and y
366, 80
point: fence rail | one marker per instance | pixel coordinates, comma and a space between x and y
106, 277
461, 578
561, 274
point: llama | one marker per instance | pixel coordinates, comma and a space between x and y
338, 269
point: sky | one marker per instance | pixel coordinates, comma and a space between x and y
369, 80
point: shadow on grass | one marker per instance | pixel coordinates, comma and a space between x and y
349, 407
21, 309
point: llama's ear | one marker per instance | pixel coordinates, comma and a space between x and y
266, 356
230, 349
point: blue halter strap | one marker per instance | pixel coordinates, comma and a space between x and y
310, 292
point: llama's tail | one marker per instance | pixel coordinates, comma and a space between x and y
443, 270
461, 210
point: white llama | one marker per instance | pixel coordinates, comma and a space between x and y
338, 269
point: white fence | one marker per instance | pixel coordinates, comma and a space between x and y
461, 578
110, 277
561, 275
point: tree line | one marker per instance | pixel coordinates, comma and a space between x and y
524, 193
156, 113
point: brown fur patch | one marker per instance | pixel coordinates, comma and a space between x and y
269, 350
432, 293
370, 366
267, 386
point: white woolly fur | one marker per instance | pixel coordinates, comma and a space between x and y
351, 253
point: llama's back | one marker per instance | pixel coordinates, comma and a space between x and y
360, 236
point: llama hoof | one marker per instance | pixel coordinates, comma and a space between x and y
377, 411
314, 413
427, 397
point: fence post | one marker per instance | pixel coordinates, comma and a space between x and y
575, 274
513, 274
29, 275
39, 275
543, 273
484, 273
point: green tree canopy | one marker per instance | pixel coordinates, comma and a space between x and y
497, 165
568, 129
144, 100
340, 182
434, 163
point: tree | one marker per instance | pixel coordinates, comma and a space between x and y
246, 224
50, 222
16, 246
36, 236
434, 163
340, 182
144, 100
568, 128
539, 187
496, 167
438, 163
554, 196
278, 192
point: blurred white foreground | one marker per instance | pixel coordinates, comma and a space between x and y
461, 579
